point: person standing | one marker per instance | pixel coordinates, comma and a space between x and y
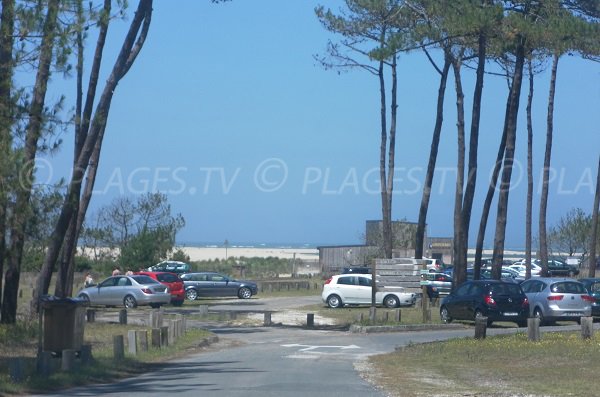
116, 272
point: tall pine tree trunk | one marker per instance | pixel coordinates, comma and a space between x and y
511, 134
469, 195
460, 266
435, 142
33, 132
7, 23
529, 206
546, 172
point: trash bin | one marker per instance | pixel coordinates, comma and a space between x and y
63, 323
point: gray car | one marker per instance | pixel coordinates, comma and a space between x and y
211, 284
552, 299
128, 291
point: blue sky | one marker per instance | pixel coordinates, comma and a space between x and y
227, 112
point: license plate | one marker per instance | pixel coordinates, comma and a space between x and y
570, 314
511, 313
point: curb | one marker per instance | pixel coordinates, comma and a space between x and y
368, 329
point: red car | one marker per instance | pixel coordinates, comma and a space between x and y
174, 283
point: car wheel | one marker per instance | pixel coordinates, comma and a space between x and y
391, 301
155, 305
191, 294
177, 303
445, 316
537, 313
244, 293
334, 301
85, 299
129, 302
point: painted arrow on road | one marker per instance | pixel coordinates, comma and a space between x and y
312, 347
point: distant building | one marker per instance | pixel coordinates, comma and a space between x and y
335, 257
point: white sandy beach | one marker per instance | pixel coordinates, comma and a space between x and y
207, 253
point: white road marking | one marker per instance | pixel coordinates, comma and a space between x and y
307, 348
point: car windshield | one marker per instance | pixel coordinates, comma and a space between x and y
141, 279
505, 289
167, 278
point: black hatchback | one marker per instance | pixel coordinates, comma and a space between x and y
496, 300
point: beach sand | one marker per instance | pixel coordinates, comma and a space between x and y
208, 253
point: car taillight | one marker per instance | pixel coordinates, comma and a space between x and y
588, 298
328, 280
489, 300
146, 290
525, 302
555, 297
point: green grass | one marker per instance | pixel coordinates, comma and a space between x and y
561, 364
21, 341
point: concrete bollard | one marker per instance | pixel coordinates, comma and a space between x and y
86, 354
142, 337
132, 341
360, 317
90, 315
267, 319
397, 315
587, 327
310, 320
171, 334
156, 337
156, 318
118, 347
533, 329
372, 314
232, 315
480, 327
123, 316
386, 317
16, 369
67, 360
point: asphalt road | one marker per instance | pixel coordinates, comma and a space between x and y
274, 361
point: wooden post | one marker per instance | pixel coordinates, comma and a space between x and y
267, 319
90, 315
533, 329
86, 354
372, 314
123, 316
118, 347
360, 317
164, 336
132, 341
386, 316
142, 337
171, 334
67, 360
156, 337
480, 327
398, 315
16, 369
232, 315
587, 327
310, 320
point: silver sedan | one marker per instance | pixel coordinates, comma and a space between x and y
128, 291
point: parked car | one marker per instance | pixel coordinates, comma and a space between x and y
355, 289
494, 299
211, 284
172, 281
552, 299
522, 269
592, 286
558, 268
438, 283
129, 291
171, 267
356, 269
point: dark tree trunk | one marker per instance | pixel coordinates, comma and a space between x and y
7, 23
511, 133
594, 237
435, 142
385, 207
64, 284
129, 51
545, 176
529, 208
392, 151
460, 266
34, 128
467, 206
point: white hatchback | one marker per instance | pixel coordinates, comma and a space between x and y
355, 289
